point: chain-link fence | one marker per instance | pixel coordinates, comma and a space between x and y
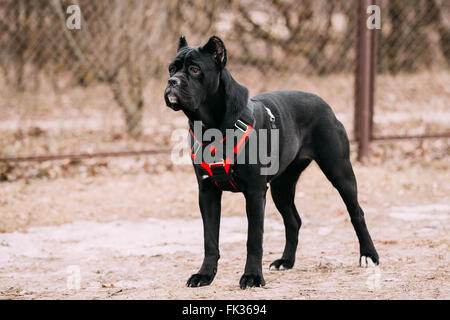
413, 55
66, 90
415, 35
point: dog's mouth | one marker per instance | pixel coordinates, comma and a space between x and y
172, 98
172, 101
175, 103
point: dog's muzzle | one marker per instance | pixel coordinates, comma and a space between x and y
171, 97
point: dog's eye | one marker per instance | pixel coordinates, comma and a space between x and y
194, 69
172, 69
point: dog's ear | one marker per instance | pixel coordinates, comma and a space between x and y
216, 48
182, 43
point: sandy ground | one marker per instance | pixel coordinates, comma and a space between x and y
135, 236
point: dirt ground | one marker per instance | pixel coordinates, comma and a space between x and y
139, 236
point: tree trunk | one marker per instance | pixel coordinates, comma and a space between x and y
133, 108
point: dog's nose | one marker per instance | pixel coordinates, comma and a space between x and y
173, 81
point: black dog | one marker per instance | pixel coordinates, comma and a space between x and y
204, 90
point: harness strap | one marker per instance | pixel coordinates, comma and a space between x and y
221, 172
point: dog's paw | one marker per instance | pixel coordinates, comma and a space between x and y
251, 280
281, 264
368, 261
199, 280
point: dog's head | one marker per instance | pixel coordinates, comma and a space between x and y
194, 74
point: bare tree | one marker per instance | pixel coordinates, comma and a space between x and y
114, 46
124, 43
297, 29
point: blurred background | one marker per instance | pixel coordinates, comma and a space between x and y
100, 89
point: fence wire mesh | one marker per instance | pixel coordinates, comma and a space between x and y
415, 35
99, 88
413, 60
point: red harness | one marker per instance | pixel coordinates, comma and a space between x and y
221, 172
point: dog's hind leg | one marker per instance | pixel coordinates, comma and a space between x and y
332, 156
283, 194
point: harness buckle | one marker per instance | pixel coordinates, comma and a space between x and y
195, 147
271, 116
241, 125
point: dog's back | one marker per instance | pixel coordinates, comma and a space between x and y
300, 107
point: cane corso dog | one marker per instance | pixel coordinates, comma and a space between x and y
203, 89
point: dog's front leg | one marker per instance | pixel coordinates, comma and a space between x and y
255, 204
209, 200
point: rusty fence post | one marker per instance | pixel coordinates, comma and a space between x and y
366, 43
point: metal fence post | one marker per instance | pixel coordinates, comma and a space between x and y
364, 79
